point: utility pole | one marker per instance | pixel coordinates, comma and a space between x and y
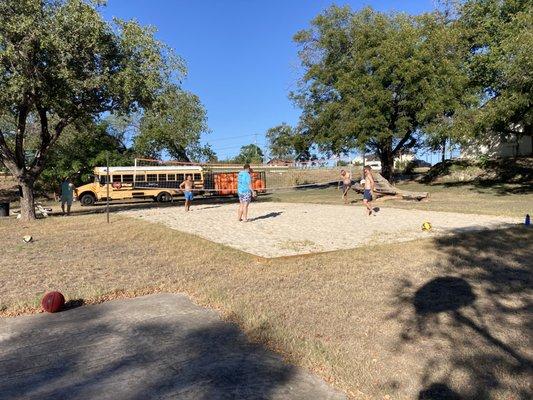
107, 185
256, 146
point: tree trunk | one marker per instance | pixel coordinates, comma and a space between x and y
27, 206
384, 188
443, 158
180, 154
387, 163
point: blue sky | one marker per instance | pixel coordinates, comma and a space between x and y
241, 59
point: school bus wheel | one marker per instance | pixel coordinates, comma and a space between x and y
163, 197
87, 199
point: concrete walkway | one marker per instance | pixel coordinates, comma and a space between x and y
154, 347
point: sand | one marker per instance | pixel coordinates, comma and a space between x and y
287, 229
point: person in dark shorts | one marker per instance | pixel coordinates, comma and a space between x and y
370, 187
346, 184
67, 194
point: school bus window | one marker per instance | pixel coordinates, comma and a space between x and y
151, 177
140, 178
116, 178
127, 178
171, 177
162, 177
180, 177
197, 177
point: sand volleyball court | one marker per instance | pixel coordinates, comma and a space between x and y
286, 229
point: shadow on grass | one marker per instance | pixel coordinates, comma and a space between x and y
74, 303
438, 391
474, 319
503, 176
494, 187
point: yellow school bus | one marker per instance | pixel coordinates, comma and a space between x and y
159, 183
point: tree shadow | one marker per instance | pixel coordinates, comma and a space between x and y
115, 353
502, 176
438, 391
493, 186
474, 318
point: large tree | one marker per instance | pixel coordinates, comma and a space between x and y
286, 142
80, 148
251, 154
500, 66
374, 81
174, 125
61, 62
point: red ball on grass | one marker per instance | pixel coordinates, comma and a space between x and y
52, 302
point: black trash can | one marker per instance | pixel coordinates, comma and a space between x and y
4, 209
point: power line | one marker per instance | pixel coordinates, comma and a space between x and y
231, 137
234, 146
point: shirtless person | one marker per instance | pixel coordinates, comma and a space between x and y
370, 187
187, 187
346, 184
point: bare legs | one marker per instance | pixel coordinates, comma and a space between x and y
368, 205
187, 205
242, 214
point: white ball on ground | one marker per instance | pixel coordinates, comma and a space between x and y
27, 238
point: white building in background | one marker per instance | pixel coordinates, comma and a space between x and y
373, 160
497, 146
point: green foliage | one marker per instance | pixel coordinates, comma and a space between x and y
288, 143
61, 63
174, 124
409, 167
79, 150
374, 80
280, 141
401, 165
500, 38
251, 154
483, 161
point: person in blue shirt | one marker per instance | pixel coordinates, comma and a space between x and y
245, 192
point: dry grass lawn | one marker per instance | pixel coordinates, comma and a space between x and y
511, 200
409, 320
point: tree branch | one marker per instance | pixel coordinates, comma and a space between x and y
47, 140
7, 157
19, 136
402, 142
